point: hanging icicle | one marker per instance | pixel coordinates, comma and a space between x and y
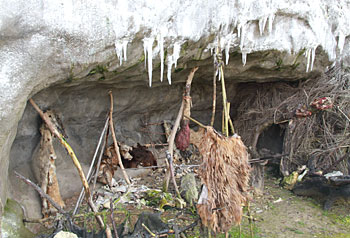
270, 19
147, 48
262, 24
227, 50
161, 53
307, 55
241, 33
176, 53
313, 51
121, 48
173, 59
244, 58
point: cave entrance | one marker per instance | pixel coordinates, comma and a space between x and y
271, 139
270, 147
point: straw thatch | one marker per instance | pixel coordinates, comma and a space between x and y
225, 175
314, 114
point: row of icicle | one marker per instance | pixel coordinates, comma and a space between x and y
225, 43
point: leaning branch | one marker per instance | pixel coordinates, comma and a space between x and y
116, 147
171, 140
41, 192
70, 151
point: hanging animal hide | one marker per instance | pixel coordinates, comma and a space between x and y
225, 175
44, 167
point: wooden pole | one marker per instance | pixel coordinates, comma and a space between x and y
116, 147
171, 139
214, 91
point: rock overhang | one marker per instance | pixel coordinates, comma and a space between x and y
65, 41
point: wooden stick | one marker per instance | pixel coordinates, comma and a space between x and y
171, 140
75, 160
172, 137
89, 175
229, 118
224, 102
99, 162
41, 192
195, 121
112, 218
214, 92
148, 230
108, 232
116, 147
250, 221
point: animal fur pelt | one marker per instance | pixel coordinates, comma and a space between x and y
44, 167
225, 175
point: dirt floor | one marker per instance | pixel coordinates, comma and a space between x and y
282, 214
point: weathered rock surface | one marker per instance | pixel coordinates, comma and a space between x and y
12, 223
73, 50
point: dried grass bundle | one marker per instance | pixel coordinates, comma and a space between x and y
225, 174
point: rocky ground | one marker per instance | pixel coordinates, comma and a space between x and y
277, 212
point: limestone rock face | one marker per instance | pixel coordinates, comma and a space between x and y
81, 48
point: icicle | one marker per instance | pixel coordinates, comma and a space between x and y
227, 51
176, 52
145, 51
307, 55
271, 18
243, 32
119, 51
161, 52
341, 42
262, 24
313, 50
219, 75
239, 28
173, 59
147, 48
244, 58
170, 65
125, 47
